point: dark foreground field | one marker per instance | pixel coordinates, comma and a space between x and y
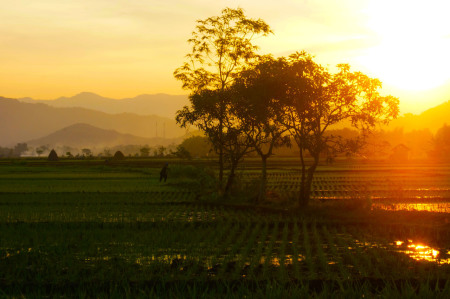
89, 229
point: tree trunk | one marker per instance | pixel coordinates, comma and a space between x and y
221, 157
302, 197
263, 184
307, 179
230, 180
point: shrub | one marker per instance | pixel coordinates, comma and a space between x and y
199, 180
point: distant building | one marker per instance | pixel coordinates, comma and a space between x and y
400, 153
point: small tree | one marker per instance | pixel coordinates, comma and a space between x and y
316, 100
197, 146
161, 151
441, 143
221, 47
86, 152
145, 151
19, 149
229, 138
107, 152
257, 105
182, 152
39, 151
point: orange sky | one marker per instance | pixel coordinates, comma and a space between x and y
122, 48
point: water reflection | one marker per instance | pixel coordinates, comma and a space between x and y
430, 207
287, 260
420, 252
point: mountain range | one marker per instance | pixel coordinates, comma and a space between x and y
433, 119
163, 105
20, 122
87, 136
42, 122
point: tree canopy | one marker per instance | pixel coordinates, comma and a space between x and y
221, 47
244, 102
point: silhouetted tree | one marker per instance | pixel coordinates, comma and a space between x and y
317, 99
145, 151
19, 149
6, 152
182, 152
221, 47
228, 138
161, 151
441, 143
39, 151
107, 152
257, 105
86, 152
197, 146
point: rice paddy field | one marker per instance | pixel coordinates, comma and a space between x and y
87, 229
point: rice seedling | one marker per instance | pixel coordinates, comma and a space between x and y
68, 227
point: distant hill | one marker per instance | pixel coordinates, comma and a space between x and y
433, 119
157, 104
84, 135
20, 121
24, 121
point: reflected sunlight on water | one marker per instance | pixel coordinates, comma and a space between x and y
430, 207
419, 252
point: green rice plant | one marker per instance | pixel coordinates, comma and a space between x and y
230, 256
343, 273
257, 255
366, 257
282, 253
312, 271
349, 258
322, 260
269, 249
241, 263
295, 250
222, 253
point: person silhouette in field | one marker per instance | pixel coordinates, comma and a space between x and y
163, 173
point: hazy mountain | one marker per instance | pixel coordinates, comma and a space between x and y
433, 119
23, 121
157, 104
84, 135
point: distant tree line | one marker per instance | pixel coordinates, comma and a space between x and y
16, 151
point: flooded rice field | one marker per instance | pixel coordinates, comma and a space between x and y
410, 189
54, 234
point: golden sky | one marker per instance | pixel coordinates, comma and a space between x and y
123, 48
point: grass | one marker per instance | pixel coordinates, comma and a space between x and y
90, 230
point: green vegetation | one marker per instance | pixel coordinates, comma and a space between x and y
86, 229
244, 102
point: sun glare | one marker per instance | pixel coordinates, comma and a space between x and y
413, 43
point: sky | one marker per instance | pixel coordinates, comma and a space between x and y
123, 48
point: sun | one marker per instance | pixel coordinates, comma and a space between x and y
413, 47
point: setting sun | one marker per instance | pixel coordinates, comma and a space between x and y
413, 42
132, 47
